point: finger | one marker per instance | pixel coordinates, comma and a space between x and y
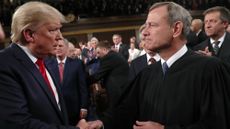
140, 123
206, 49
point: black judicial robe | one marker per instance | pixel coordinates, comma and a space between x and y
194, 94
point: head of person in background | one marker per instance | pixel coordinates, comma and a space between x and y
77, 53
117, 39
196, 25
62, 49
103, 48
216, 21
71, 50
94, 41
2, 34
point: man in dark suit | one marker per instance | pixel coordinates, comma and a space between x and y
113, 72
120, 47
141, 62
197, 27
184, 89
71, 75
216, 20
29, 94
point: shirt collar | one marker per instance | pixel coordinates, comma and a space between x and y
175, 56
156, 57
63, 61
28, 53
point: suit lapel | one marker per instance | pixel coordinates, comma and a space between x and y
31, 67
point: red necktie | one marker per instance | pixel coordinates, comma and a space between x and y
61, 69
42, 69
151, 61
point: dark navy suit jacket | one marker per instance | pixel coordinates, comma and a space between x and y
25, 99
73, 86
137, 65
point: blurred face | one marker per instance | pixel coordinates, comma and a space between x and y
62, 49
101, 52
132, 45
214, 27
116, 39
93, 44
194, 27
2, 34
43, 40
228, 29
157, 33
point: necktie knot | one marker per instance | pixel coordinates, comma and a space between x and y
41, 65
151, 61
40, 62
165, 67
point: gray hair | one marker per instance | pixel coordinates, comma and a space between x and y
176, 13
30, 16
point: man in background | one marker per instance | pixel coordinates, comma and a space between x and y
120, 47
216, 20
2, 34
72, 77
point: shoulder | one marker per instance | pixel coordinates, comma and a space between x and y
139, 59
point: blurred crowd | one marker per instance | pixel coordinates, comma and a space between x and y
76, 9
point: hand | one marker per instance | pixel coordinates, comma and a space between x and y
206, 52
83, 113
147, 125
97, 124
82, 124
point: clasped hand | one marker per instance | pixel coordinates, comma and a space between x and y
83, 124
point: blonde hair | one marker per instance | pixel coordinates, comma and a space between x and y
31, 15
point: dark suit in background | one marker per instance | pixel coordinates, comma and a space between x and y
223, 53
25, 99
124, 51
137, 65
113, 72
73, 86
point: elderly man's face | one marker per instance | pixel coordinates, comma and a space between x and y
157, 33
45, 38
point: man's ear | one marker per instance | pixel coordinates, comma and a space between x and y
177, 29
28, 35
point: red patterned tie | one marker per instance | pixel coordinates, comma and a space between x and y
42, 69
61, 69
151, 61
